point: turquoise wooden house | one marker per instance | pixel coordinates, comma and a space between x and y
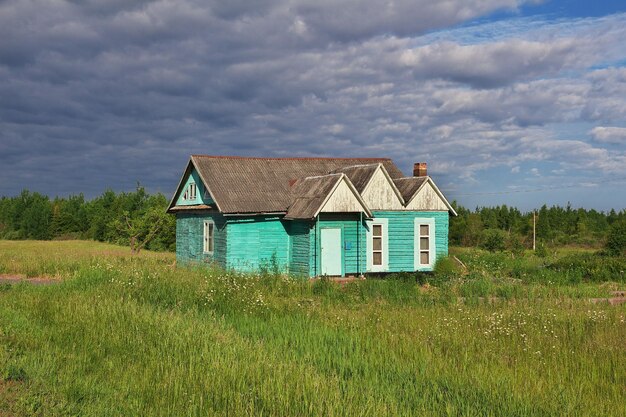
309, 216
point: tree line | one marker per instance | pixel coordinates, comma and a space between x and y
554, 226
138, 219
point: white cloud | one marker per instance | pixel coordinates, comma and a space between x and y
609, 134
493, 64
306, 78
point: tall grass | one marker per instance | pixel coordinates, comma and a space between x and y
124, 335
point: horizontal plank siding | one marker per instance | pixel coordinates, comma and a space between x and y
299, 247
190, 238
353, 242
401, 235
257, 242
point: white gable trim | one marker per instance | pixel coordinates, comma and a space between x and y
437, 191
182, 181
382, 168
357, 196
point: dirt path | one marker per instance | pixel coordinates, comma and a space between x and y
15, 278
9, 392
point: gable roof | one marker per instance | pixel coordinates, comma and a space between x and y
311, 194
262, 185
411, 186
361, 176
408, 186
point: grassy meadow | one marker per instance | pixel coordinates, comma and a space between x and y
123, 335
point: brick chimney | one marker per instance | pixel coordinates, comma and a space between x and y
419, 169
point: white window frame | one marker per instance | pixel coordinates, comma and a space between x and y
191, 191
384, 223
208, 241
432, 248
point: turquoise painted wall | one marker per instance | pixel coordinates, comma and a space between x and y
257, 242
353, 241
200, 197
299, 247
190, 238
402, 234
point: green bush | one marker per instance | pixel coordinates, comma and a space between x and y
446, 268
493, 240
515, 245
616, 241
590, 267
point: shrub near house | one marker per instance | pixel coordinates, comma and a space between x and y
309, 216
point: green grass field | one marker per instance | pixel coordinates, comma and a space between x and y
125, 335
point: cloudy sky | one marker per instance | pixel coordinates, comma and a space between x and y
508, 101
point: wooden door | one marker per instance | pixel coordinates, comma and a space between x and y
330, 242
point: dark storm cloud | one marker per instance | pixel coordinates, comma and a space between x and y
97, 94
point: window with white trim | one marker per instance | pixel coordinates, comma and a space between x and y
425, 249
377, 246
209, 236
190, 192
424, 244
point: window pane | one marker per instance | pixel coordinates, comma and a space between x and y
378, 258
423, 243
378, 243
210, 237
424, 230
424, 258
378, 230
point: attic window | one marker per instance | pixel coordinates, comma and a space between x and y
190, 192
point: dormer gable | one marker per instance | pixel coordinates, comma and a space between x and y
192, 191
425, 195
380, 193
375, 186
332, 193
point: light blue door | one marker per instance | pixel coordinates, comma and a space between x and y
330, 240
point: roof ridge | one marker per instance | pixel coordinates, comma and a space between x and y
322, 176
359, 166
289, 158
409, 178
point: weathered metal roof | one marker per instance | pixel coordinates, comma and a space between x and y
262, 185
360, 175
408, 186
308, 195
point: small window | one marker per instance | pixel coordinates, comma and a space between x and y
424, 244
190, 192
209, 231
377, 244
377, 248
